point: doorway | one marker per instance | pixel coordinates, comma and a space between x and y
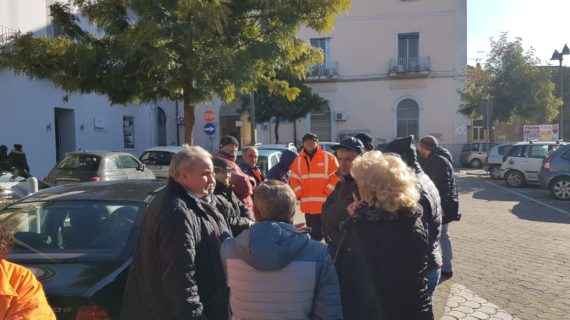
64, 131
321, 124
160, 127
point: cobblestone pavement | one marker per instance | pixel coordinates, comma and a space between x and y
511, 255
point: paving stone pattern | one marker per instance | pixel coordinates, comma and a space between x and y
511, 258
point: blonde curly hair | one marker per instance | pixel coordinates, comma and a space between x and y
384, 181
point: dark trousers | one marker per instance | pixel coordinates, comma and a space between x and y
314, 222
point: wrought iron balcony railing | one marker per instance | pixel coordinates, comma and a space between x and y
327, 70
411, 66
5, 34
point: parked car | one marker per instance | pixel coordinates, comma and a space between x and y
267, 159
555, 173
158, 159
287, 146
474, 154
495, 159
83, 166
523, 162
16, 184
78, 240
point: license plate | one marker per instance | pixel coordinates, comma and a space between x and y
154, 166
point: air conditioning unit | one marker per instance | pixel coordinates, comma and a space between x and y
341, 116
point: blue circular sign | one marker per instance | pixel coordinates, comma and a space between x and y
210, 128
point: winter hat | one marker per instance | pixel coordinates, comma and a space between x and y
366, 139
350, 143
309, 136
430, 142
225, 140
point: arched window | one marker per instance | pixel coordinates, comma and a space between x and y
160, 127
408, 114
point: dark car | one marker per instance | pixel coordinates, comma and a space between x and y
83, 166
555, 173
78, 240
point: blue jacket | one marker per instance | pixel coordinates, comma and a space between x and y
276, 272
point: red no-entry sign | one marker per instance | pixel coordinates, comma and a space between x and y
209, 116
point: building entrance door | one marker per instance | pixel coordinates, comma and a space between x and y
64, 131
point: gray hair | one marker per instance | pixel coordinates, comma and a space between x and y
247, 149
185, 158
274, 200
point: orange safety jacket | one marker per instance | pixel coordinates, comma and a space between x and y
21, 294
313, 180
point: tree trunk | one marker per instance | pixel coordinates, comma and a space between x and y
189, 120
276, 130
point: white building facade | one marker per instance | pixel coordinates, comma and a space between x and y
49, 122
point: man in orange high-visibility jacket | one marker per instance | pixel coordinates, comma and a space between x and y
313, 178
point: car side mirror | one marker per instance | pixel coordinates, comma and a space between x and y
141, 167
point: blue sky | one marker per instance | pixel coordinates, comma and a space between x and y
544, 25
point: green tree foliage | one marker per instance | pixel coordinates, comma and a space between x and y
144, 50
513, 82
268, 104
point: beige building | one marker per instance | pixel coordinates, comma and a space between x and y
392, 68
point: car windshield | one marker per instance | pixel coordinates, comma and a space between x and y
71, 231
87, 162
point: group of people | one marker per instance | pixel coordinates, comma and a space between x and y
218, 242
15, 160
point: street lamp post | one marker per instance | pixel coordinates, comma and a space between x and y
560, 56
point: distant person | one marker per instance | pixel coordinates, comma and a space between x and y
5, 163
248, 164
275, 271
18, 158
176, 270
430, 202
235, 212
21, 294
313, 178
243, 184
366, 139
382, 258
438, 165
335, 207
280, 171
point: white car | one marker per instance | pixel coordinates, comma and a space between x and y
523, 162
158, 159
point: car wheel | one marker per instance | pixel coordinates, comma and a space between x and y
561, 188
514, 179
495, 172
476, 163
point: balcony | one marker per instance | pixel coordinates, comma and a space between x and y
5, 34
409, 67
326, 71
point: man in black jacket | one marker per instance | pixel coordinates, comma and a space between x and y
334, 208
177, 272
438, 166
430, 202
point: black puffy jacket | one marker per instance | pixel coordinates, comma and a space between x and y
176, 271
382, 266
438, 166
233, 210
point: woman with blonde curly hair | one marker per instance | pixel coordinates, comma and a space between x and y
382, 257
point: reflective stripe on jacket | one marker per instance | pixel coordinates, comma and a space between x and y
314, 179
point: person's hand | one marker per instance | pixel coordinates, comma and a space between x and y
353, 205
301, 227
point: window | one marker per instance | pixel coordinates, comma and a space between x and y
407, 118
566, 155
475, 147
129, 162
538, 151
113, 163
80, 162
129, 132
325, 45
517, 151
408, 45
478, 133
503, 149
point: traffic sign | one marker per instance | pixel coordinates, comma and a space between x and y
209, 116
210, 128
